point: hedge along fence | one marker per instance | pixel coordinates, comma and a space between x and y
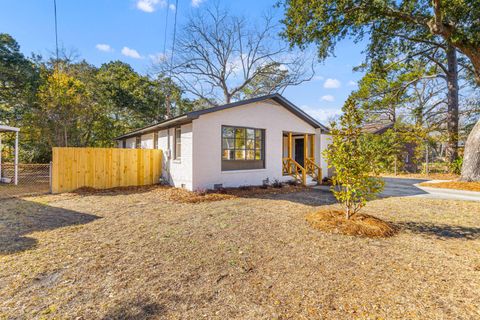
104, 168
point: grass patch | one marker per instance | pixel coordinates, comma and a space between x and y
360, 225
124, 255
185, 196
458, 185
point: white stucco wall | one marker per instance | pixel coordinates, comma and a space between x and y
275, 119
322, 142
178, 172
146, 141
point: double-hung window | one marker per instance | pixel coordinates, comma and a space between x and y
242, 148
177, 144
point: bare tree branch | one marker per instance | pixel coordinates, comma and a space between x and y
221, 57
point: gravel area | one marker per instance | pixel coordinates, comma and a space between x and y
140, 255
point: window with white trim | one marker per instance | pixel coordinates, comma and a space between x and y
177, 144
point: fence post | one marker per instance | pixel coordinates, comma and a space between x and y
1, 147
427, 169
16, 159
50, 177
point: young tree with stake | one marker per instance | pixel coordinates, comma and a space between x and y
356, 160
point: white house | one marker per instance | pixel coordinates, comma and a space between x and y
237, 144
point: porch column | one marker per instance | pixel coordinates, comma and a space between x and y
289, 151
312, 147
305, 149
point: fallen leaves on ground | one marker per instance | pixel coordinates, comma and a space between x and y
457, 185
136, 254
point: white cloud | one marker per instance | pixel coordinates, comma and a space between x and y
150, 5
157, 57
104, 47
332, 83
172, 7
328, 98
196, 3
132, 53
352, 83
321, 114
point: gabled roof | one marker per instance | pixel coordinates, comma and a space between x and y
377, 128
188, 117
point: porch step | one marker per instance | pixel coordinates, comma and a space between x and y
311, 182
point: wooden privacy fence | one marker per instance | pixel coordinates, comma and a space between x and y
104, 168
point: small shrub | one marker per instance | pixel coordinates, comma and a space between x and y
245, 188
456, 166
292, 183
327, 181
277, 184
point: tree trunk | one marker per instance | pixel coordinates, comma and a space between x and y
452, 113
471, 158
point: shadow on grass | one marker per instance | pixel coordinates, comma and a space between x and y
309, 197
442, 231
19, 217
142, 308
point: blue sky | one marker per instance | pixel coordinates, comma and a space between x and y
133, 31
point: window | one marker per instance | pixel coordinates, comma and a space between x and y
242, 148
177, 144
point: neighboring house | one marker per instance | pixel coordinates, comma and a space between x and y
408, 153
244, 143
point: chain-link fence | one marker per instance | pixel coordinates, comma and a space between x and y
33, 179
427, 161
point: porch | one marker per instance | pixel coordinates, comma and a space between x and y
298, 158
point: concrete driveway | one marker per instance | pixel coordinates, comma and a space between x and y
399, 187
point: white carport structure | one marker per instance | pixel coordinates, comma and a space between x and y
3, 129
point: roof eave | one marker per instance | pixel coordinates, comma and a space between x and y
164, 124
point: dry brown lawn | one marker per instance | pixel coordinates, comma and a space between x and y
458, 185
139, 254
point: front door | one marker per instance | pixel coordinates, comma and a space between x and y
299, 151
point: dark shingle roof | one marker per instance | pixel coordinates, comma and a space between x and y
187, 117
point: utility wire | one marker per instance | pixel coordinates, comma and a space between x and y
165, 32
171, 57
174, 34
56, 30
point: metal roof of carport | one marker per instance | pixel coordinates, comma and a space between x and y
187, 117
4, 128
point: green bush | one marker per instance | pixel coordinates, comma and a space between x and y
456, 166
356, 159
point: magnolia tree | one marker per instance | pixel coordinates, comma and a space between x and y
356, 160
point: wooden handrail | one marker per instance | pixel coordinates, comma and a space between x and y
293, 168
313, 169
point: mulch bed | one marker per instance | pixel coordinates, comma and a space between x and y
458, 185
361, 225
435, 176
179, 195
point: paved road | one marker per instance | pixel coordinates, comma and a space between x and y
399, 187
